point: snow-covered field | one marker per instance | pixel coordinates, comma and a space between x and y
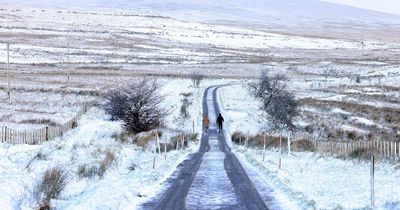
342, 85
310, 180
22, 166
289, 16
57, 41
121, 41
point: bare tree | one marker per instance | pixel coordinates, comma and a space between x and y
138, 105
282, 110
117, 103
267, 87
196, 78
277, 102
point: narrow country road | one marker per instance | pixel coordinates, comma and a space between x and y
212, 178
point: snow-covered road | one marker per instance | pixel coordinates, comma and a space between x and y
213, 178
211, 187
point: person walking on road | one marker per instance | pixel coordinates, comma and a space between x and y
206, 122
220, 120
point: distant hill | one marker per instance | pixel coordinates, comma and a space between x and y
310, 17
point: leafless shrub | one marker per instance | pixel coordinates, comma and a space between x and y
277, 102
138, 105
53, 182
196, 78
282, 110
267, 86
116, 103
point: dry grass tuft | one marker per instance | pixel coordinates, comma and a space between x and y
238, 137
86, 171
53, 182
257, 141
143, 140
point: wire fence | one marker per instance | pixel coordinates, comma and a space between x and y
39, 136
386, 149
379, 148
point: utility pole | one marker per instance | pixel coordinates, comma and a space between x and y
362, 47
8, 72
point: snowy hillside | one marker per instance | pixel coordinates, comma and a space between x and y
269, 13
342, 64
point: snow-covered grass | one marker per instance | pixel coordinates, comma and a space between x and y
96, 37
107, 48
22, 167
318, 182
309, 180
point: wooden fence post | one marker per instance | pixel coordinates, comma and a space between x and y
391, 150
5, 134
263, 155
177, 143
154, 152
247, 139
280, 150
372, 181
165, 147
47, 133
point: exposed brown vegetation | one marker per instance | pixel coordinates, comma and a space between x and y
54, 181
364, 153
303, 145
258, 140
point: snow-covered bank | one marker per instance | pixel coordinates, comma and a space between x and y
318, 182
309, 180
21, 168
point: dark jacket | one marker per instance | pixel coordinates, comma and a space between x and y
220, 119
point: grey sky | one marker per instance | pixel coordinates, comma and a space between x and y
388, 6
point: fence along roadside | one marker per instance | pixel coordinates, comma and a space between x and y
386, 149
39, 136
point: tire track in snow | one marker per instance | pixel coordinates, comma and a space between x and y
212, 178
